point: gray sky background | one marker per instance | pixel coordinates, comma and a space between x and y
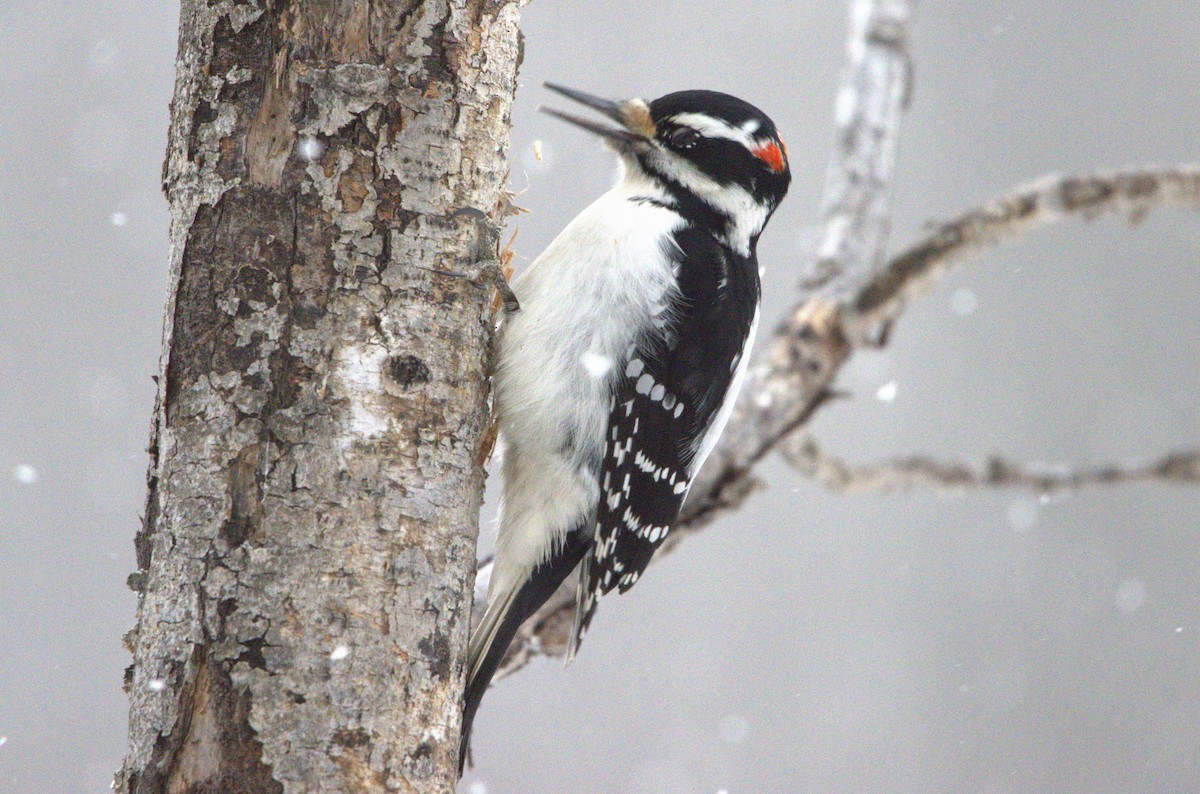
987, 642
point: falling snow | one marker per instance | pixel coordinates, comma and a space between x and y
483, 578
478, 787
1131, 595
118, 219
156, 685
339, 653
963, 302
1022, 514
310, 148
25, 474
103, 55
734, 729
596, 365
887, 392
843, 111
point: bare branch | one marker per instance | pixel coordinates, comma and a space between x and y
918, 472
1042, 202
875, 89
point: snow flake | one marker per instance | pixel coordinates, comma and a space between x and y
734, 729
338, 653
103, 56
887, 392
596, 365
310, 148
1022, 514
483, 578
1131, 595
963, 302
25, 474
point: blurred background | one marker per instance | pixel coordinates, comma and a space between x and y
991, 641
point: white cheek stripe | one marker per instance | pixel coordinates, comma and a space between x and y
716, 128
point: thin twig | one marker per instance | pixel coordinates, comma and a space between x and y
923, 473
1039, 203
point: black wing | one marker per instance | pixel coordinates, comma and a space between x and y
671, 389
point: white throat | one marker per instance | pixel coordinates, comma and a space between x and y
747, 217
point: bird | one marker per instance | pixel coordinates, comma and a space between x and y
615, 377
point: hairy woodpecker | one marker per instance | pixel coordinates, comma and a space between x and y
616, 376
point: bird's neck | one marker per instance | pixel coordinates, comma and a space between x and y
730, 214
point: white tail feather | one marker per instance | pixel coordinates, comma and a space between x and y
583, 605
485, 633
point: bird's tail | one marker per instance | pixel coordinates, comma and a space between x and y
508, 609
586, 597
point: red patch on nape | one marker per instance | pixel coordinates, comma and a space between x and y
772, 153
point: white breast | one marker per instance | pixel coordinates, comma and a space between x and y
583, 303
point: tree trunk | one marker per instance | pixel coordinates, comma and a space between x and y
335, 172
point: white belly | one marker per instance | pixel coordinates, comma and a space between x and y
582, 302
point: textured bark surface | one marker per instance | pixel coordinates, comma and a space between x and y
335, 171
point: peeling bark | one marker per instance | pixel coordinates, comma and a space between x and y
335, 172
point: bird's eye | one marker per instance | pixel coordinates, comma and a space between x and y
684, 138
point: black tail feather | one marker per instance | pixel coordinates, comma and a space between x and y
541, 584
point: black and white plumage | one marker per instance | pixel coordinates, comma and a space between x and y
618, 373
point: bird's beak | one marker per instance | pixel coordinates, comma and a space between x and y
632, 114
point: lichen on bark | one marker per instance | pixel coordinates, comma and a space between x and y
305, 565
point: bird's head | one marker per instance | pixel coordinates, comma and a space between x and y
711, 152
